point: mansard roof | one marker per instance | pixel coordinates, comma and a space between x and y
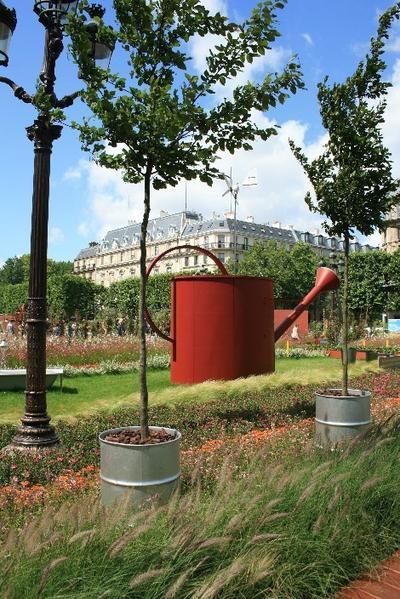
89, 252
187, 224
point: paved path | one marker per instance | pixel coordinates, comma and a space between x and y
385, 585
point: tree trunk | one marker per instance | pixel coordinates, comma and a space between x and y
144, 395
345, 312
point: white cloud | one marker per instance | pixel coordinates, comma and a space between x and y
390, 130
394, 45
374, 240
391, 127
360, 49
84, 229
279, 195
56, 235
72, 174
216, 6
273, 60
307, 38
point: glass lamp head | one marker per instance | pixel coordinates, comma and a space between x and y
54, 11
8, 22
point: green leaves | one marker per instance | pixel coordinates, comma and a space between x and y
352, 179
155, 107
293, 271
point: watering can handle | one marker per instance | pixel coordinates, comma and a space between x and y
154, 262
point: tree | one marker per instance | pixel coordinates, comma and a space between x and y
393, 279
71, 296
352, 179
367, 296
292, 271
16, 270
58, 269
159, 120
12, 271
12, 297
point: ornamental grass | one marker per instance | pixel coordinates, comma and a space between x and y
293, 528
280, 419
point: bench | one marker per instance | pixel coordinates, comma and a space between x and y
16, 379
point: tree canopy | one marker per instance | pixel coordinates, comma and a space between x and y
160, 122
292, 271
162, 118
352, 179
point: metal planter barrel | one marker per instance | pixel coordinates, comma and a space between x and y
340, 418
141, 472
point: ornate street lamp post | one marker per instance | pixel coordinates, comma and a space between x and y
36, 430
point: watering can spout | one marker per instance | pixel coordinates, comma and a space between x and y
326, 280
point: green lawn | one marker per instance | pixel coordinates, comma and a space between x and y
87, 394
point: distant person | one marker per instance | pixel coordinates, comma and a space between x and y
56, 330
294, 335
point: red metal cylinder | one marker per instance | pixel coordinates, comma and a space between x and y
222, 328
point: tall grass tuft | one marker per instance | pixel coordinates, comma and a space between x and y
295, 530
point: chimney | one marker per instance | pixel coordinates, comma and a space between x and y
277, 224
250, 219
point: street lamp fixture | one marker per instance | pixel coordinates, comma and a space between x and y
51, 12
36, 430
8, 22
101, 50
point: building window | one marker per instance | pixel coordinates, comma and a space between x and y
111, 258
205, 259
121, 274
186, 260
206, 241
221, 256
221, 241
102, 260
121, 257
246, 243
196, 260
155, 250
132, 255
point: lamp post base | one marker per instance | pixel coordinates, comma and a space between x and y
35, 432
27, 437
12, 448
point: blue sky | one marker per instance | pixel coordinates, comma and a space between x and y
329, 37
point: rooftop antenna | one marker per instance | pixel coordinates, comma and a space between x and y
233, 190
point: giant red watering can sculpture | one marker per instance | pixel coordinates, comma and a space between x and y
222, 326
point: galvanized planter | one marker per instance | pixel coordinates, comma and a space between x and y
341, 418
139, 472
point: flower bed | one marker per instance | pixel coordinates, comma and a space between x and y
79, 352
279, 415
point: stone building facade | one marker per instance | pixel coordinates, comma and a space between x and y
116, 257
391, 234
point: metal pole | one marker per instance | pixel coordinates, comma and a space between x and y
35, 429
235, 194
